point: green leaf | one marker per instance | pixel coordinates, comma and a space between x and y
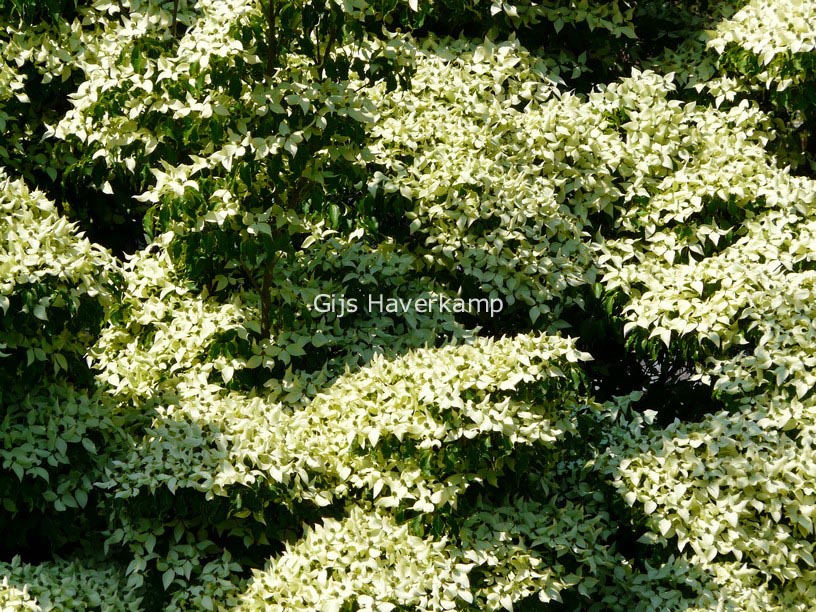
167, 578
136, 59
39, 312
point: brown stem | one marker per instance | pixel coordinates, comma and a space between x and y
248, 274
298, 192
263, 291
175, 18
266, 298
271, 41
321, 60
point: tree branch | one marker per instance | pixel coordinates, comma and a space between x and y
271, 39
266, 298
321, 58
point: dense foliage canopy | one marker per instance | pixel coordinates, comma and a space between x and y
195, 192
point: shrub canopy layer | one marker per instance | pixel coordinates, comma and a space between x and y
184, 184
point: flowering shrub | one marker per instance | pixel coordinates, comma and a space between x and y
228, 380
